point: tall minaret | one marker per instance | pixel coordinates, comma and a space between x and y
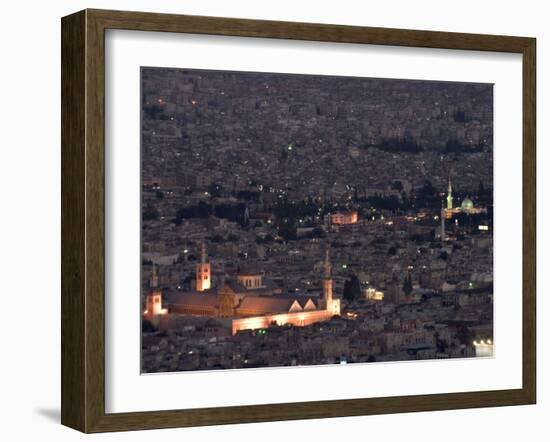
203, 271
153, 301
154, 282
450, 194
327, 282
442, 222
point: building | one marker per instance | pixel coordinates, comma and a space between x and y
467, 205
374, 295
250, 278
344, 218
246, 301
483, 348
153, 303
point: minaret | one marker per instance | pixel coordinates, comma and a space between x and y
154, 298
450, 194
154, 282
327, 282
442, 222
203, 271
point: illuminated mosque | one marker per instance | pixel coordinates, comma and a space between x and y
243, 302
467, 205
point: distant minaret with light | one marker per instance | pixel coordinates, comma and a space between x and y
442, 216
331, 305
153, 302
203, 276
327, 281
450, 194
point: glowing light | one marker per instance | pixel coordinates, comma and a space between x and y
483, 348
344, 218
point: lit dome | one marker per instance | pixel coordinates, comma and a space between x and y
467, 204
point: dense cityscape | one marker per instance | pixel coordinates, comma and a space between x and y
300, 220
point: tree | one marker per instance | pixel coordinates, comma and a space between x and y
427, 196
347, 291
214, 190
352, 288
408, 285
481, 189
441, 344
397, 185
288, 231
464, 335
147, 326
204, 210
149, 213
318, 232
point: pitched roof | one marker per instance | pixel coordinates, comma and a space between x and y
301, 298
265, 304
236, 286
198, 299
274, 304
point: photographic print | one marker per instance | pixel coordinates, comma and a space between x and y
297, 220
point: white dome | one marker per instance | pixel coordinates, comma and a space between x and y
467, 204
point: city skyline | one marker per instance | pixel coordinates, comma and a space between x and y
301, 220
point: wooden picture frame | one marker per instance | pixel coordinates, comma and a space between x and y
83, 220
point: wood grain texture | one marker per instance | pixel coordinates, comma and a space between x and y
73, 128
83, 220
529, 221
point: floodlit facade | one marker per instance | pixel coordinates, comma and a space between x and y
247, 302
154, 299
203, 276
483, 348
344, 218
